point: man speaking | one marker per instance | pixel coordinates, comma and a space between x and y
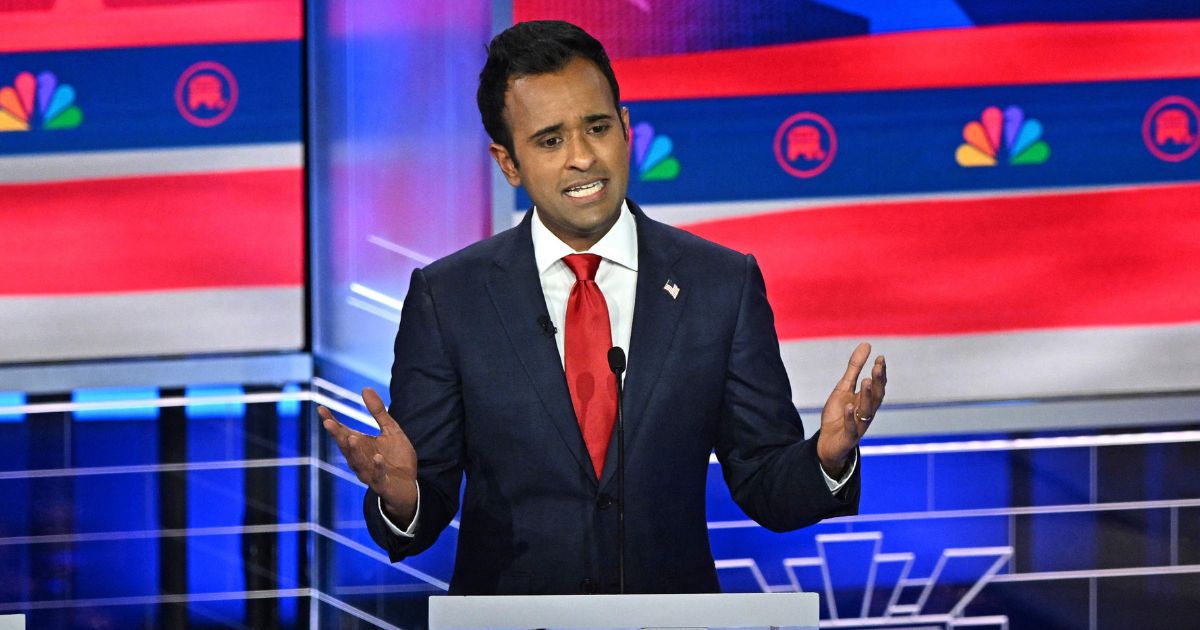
501, 368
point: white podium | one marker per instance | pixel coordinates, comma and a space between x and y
12, 622
717, 610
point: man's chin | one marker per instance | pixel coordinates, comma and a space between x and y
569, 223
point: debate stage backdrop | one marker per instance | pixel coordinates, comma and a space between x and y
1001, 195
1004, 196
151, 178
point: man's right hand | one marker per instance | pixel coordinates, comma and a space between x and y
387, 463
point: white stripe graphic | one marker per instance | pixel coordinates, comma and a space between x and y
57, 167
399, 249
377, 296
1067, 362
52, 328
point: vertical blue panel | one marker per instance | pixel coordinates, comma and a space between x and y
116, 394
15, 444
1061, 542
351, 569
215, 410
288, 408
118, 501
288, 576
289, 476
895, 483
290, 426
399, 168
971, 480
115, 503
11, 399
849, 566
15, 518
1058, 476
399, 176
215, 499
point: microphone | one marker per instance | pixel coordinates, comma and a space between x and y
616, 363
548, 327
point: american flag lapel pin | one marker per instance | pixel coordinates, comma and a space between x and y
672, 289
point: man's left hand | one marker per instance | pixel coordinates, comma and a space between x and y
848, 414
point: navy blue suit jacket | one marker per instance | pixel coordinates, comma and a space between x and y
478, 387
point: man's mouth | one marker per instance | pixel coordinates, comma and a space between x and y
585, 190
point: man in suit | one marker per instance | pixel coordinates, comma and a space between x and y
500, 370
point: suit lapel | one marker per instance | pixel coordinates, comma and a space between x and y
655, 318
516, 291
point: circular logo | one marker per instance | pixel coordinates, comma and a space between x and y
805, 145
1171, 128
206, 94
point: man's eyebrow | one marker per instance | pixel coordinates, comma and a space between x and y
589, 119
545, 130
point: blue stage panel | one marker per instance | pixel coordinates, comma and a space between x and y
972, 480
1058, 542
882, 475
1055, 476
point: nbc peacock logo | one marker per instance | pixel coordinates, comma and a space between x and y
39, 102
1002, 136
652, 155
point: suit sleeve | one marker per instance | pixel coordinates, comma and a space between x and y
427, 403
772, 472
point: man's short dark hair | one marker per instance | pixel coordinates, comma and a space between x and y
531, 48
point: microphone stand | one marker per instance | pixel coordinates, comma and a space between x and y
616, 363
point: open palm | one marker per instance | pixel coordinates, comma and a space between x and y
387, 463
848, 413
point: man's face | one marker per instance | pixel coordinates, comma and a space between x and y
572, 150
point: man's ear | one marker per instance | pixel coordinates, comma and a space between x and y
625, 122
506, 162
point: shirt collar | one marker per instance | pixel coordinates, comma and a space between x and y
619, 245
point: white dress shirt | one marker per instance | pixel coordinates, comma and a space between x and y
617, 279
616, 276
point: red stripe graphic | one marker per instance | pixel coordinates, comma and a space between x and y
237, 229
86, 24
1020, 54
981, 265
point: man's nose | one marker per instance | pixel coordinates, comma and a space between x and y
581, 155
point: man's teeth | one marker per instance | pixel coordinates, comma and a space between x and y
584, 191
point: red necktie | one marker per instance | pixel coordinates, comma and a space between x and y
585, 355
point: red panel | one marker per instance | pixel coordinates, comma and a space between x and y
87, 24
146, 3
26, 5
966, 266
153, 233
1004, 55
